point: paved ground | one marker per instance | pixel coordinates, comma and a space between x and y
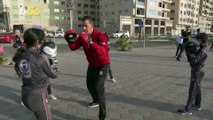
151, 86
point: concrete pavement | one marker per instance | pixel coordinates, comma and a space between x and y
151, 86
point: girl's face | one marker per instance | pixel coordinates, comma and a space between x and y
37, 44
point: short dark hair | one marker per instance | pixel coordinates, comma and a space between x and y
87, 18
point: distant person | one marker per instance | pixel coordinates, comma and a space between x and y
17, 40
179, 50
198, 33
186, 37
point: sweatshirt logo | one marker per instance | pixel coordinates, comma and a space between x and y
25, 68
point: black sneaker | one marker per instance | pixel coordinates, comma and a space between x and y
92, 105
196, 107
184, 111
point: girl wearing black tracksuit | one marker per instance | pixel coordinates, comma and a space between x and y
34, 71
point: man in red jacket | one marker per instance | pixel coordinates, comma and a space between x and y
95, 46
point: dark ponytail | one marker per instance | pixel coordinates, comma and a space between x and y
31, 36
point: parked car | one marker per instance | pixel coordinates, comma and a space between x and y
7, 37
118, 34
57, 34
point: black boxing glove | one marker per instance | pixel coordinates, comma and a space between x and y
71, 36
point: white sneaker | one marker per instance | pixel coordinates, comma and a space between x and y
22, 103
53, 97
112, 80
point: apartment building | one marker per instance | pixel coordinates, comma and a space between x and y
206, 15
184, 13
35, 12
128, 14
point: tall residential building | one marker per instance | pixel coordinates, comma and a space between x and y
128, 14
184, 13
35, 12
206, 15
53, 14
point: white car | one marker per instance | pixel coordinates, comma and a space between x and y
118, 34
57, 34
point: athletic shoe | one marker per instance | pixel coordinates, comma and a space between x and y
92, 105
112, 80
22, 103
184, 111
53, 97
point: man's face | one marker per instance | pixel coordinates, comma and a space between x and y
88, 27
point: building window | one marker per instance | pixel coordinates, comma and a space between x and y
79, 4
56, 10
79, 12
140, 11
152, 3
79, 18
85, 12
47, 17
160, 4
86, 5
92, 13
56, 17
148, 22
162, 23
112, 13
56, 2
62, 3
15, 16
159, 13
92, 6
156, 22
47, 10
14, 7
63, 18
28, 17
152, 12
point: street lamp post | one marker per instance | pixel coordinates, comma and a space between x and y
7, 18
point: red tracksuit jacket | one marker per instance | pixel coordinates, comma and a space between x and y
97, 53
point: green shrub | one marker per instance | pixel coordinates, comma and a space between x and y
2, 59
124, 44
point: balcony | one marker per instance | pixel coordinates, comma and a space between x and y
169, 23
167, 1
140, 3
166, 9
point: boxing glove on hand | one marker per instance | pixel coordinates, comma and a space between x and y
85, 39
53, 63
49, 48
71, 36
